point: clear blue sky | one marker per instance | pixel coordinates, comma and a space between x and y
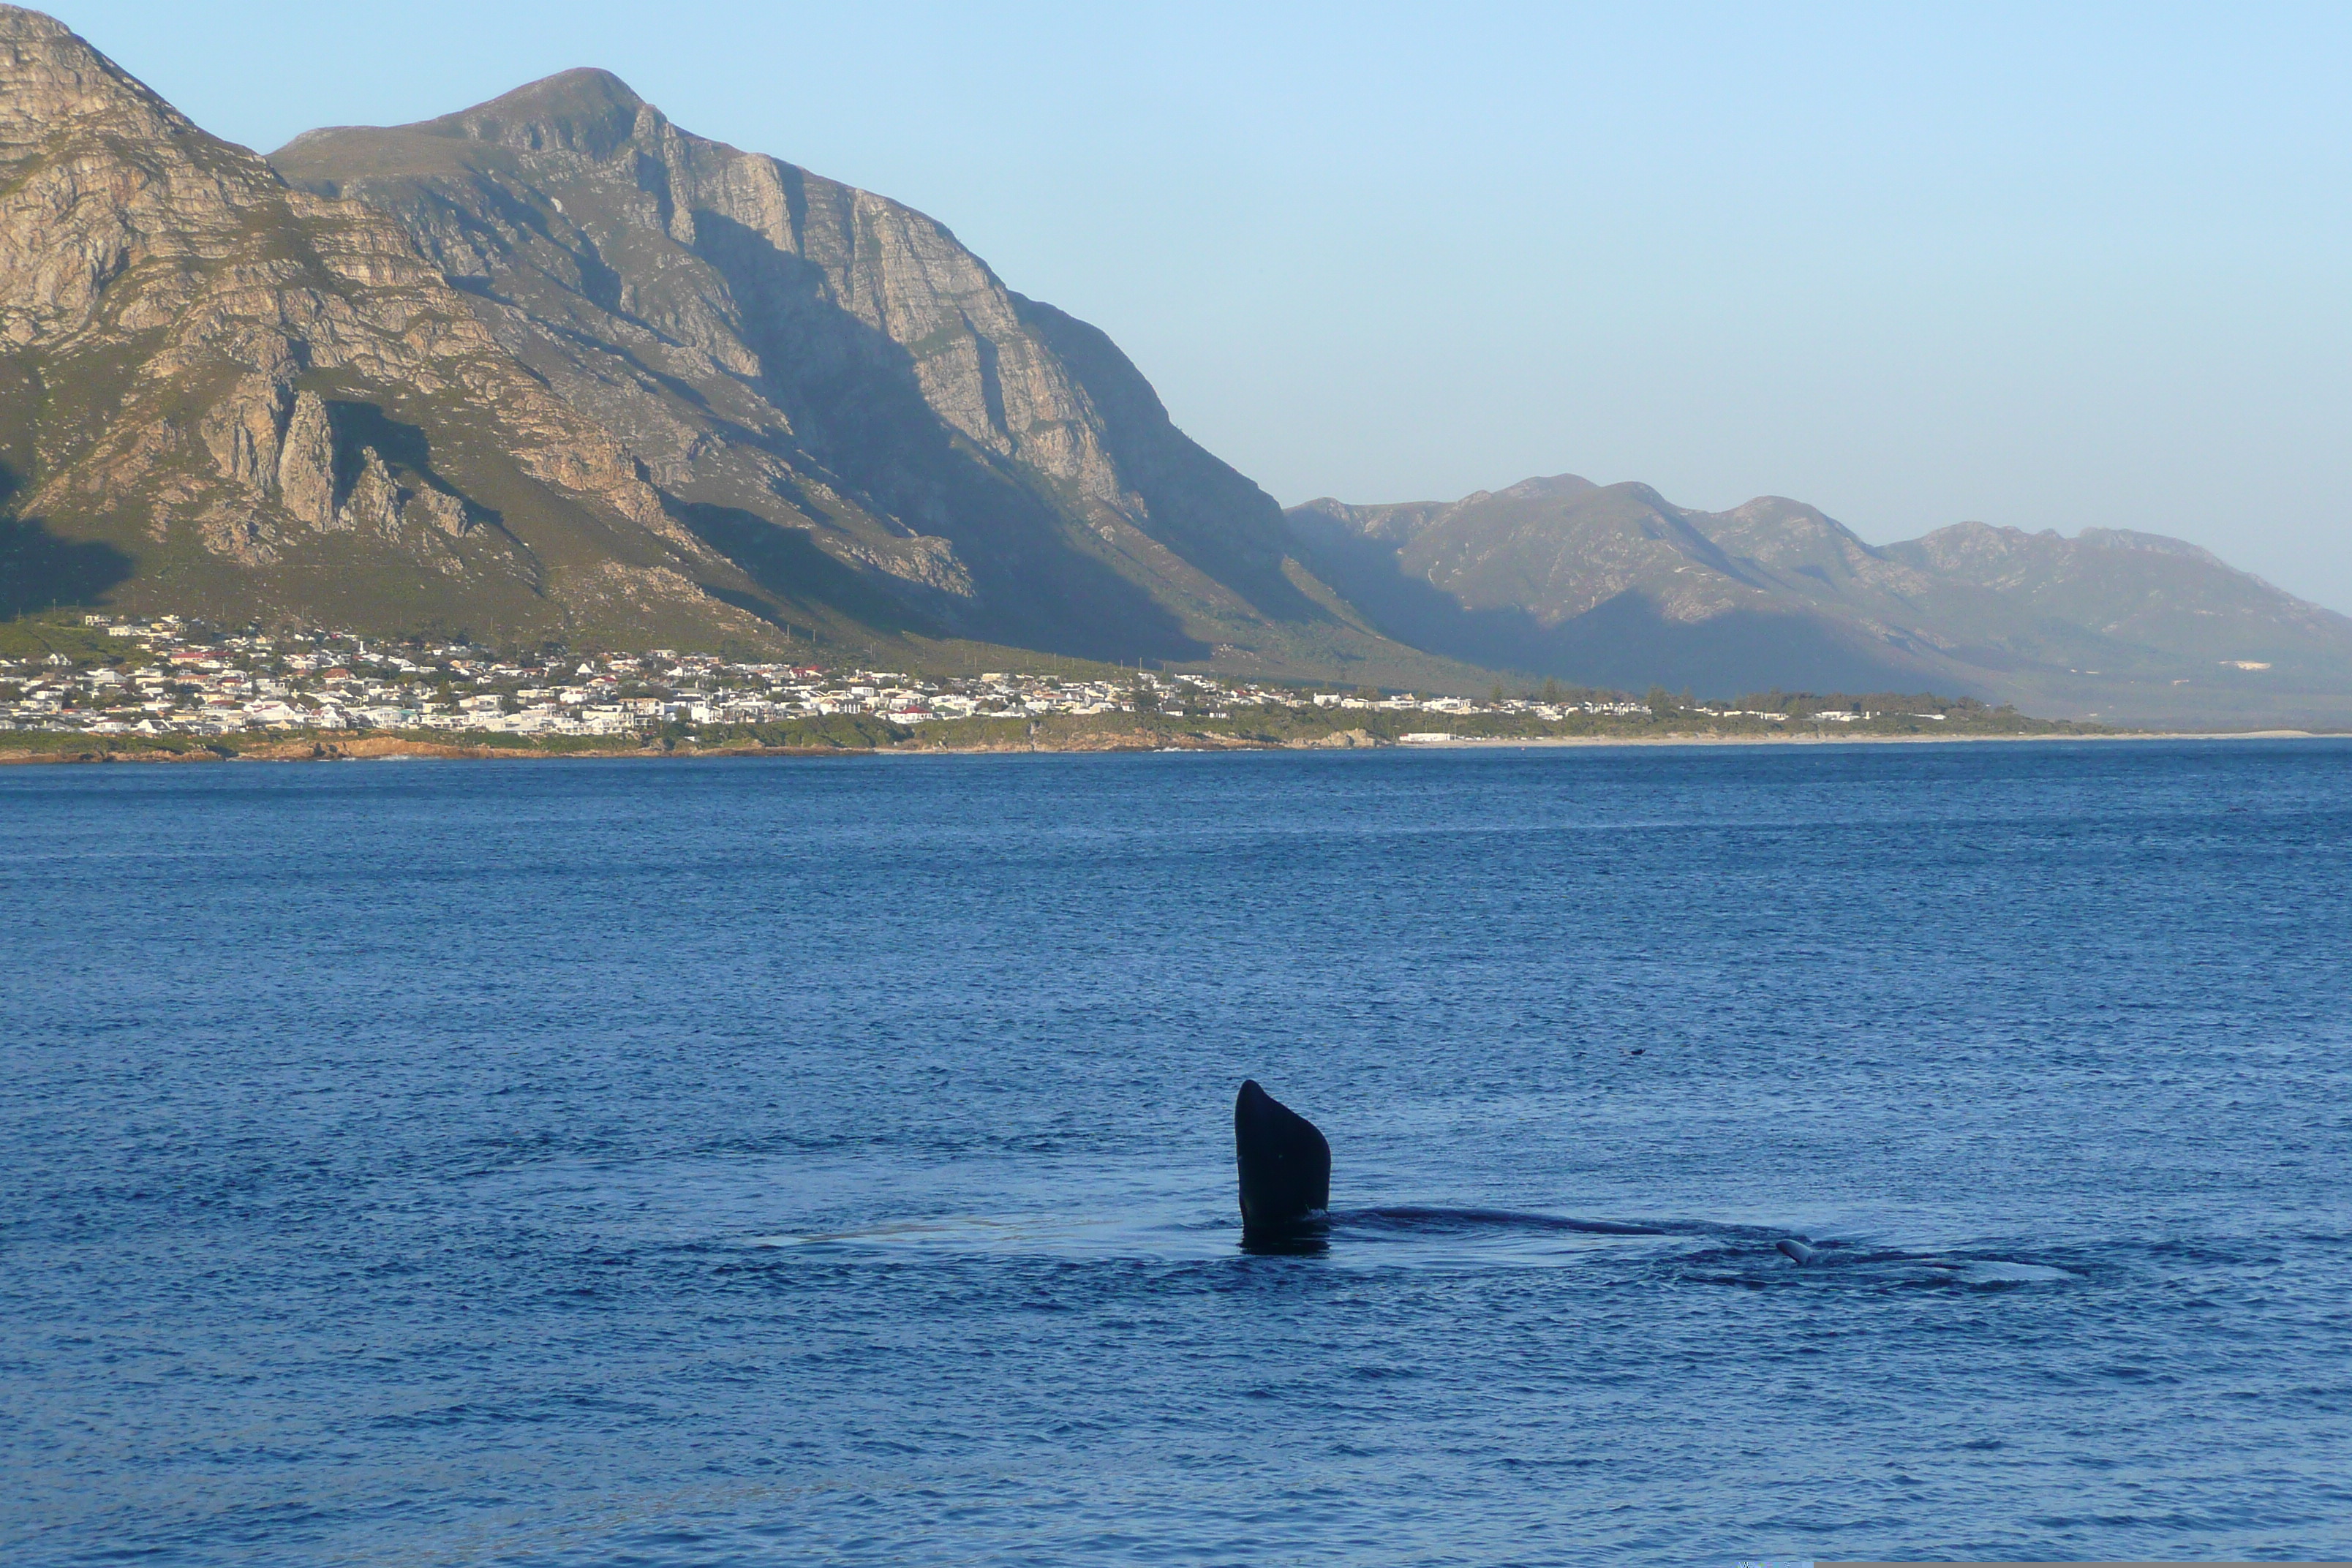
2049, 267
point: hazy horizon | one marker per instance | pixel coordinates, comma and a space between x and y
2081, 271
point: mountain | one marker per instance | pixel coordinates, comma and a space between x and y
228, 398
1616, 585
551, 366
2139, 590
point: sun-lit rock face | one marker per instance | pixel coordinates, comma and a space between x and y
209, 365
475, 372
781, 349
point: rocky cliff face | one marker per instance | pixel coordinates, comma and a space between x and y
553, 365
1617, 585
794, 360
273, 398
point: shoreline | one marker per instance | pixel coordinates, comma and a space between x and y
380, 747
1480, 741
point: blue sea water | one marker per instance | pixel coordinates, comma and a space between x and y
827, 1163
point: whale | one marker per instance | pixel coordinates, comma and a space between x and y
1284, 1163
1284, 1167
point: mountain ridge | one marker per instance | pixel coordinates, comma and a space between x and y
551, 367
207, 372
828, 324
1606, 583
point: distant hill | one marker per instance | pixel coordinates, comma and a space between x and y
1616, 585
553, 367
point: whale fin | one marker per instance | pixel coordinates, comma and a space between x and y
1797, 1252
1284, 1164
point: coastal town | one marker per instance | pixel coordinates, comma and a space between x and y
167, 678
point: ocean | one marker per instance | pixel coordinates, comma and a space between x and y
831, 1161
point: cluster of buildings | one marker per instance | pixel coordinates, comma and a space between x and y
183, 680
1825, 716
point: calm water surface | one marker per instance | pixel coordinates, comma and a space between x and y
792, 1162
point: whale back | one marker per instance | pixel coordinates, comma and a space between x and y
1286, 1164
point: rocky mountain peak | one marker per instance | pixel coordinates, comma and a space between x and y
787, 352
1775, 532
1983, 552
585, 110
1549, 486
53, 83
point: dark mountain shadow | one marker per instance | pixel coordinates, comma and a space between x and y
406, 449
789, 566
40, 571
1215, 519
358, 425
853, 395
1625, 643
